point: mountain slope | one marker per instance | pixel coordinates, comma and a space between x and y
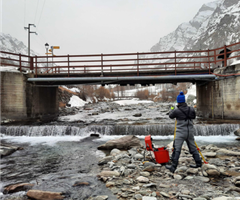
13, 45
216, 24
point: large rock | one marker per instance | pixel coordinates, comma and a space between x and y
226, 152
126, 142
17, 187
237, 132
44, 195
210, 170
6, 150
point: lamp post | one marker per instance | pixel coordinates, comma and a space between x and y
46, 46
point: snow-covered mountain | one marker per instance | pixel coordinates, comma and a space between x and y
216, 24
13, 45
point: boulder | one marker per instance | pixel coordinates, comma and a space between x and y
237, 132
126, 142
211, 170
17, 187
44, 195
6, 150
225, 152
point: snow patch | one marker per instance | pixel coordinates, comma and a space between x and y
75, 101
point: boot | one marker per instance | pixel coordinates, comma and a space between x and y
198, 161
172, 167
197, 165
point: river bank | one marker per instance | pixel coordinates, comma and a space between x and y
62, 156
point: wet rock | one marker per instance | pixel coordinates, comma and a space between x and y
77, 183
102, 197
142, 179
110, 184
137, 115
211, 170
164, 194
150, 185
236, 181
105, 160
138, 156
44, 195
226, 152
109, 173
149, 198
237, 132
210, 154
115, 152
178, 177
138, 196
203, 179
225, 198
6, 149
17, 187
126, 142
144, 173
192, 171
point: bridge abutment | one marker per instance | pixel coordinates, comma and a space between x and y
23, 101
220, 99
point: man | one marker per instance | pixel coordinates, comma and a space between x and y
184, 132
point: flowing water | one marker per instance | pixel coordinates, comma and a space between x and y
55, 158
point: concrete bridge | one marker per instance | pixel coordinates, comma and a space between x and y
34, 95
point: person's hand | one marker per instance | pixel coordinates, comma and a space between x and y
172, 107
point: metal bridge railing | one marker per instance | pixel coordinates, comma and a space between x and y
136, 63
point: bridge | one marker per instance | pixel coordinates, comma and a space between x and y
126, 68
34, 94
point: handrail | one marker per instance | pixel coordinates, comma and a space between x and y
134, 62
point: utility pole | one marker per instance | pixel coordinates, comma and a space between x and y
29, 31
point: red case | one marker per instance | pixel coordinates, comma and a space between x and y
161, 155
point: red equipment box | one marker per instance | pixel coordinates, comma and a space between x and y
161, 154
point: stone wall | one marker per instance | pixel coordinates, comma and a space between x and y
220, 99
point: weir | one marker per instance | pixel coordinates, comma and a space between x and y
138, 130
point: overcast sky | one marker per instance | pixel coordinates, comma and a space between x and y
95, 26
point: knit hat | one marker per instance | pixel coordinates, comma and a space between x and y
181, 98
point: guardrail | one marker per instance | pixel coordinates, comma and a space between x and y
131, 62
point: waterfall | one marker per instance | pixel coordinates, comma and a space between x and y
153, 129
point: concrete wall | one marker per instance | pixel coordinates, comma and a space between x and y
13, 95
220, 99
21, 100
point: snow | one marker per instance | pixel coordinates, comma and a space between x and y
45, 140
72, 89
9, 69
75, 101
191, 91
236, 62
132, 102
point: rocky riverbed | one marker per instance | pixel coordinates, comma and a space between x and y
65, 171
75, 169
127, 175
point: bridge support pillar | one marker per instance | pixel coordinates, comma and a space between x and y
23, 101
220, 99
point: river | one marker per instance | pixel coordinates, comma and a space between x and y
55, 158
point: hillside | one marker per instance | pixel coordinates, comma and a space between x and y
216, 24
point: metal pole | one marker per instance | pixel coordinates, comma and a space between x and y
28, 40
225, 56
137, 64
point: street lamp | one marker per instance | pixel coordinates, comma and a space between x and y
47, 46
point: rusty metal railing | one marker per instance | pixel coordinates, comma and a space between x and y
131, 62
